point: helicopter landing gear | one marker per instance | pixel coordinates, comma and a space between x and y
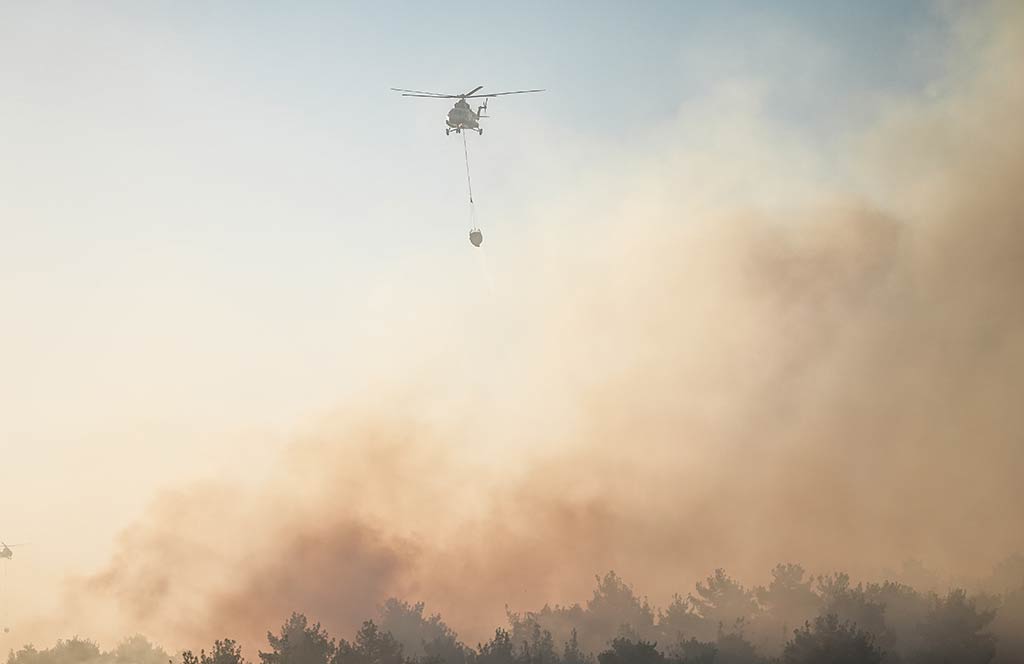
447, 131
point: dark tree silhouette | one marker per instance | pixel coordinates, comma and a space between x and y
26, 655
680, 620
828, 640
540, 649
1008, 627
788, 601
613, 610
561, 621
69, 651
723, 603
133, 650
299, 643
952, 632
626, 651
615, 605
852, 605
905, 610
371, 646
498, 650
422, 637
138, 650
224, 652
693, 652
572, 653
734, 649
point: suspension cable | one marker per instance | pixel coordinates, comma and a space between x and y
469, 181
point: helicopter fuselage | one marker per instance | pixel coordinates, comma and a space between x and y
462, 117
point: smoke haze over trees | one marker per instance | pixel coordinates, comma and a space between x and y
796, 619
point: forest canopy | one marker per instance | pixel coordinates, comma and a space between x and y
795, 618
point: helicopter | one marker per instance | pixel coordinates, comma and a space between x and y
6, 552
462, 116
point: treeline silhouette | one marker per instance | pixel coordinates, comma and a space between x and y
794, 619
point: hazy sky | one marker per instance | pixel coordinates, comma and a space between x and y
212, 212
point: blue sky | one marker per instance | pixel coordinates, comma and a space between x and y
601, 59
305, 90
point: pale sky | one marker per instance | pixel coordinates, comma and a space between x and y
209, 210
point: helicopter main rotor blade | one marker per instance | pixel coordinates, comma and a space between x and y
425, 94
501, 94
470, 93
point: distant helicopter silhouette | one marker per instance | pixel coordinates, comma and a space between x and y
462, 116
5, 550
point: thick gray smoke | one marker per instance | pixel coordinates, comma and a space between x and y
690, 386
